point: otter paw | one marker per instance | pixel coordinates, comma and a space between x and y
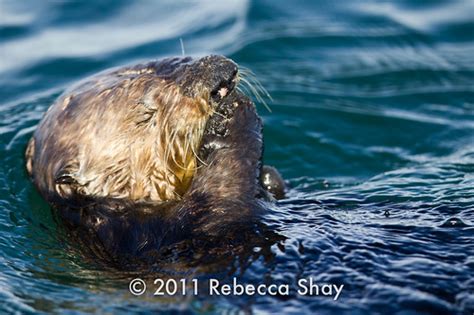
272, 182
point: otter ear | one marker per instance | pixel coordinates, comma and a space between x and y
29, 154
272, 182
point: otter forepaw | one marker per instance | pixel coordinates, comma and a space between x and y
272, 182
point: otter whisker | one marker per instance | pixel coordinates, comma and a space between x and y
197, 157
259, 85
183, 53
188, 144
255, 92
172, 145
244, 89
169, 147
251, 76
247, 90
252, 88
183, 167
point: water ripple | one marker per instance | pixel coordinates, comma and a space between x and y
372, 127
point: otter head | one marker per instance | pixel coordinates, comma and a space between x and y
132, 133
194, 91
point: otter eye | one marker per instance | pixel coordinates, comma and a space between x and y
145, 118
64, 178
144, 113
67, 174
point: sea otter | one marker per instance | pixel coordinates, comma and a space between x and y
136, 158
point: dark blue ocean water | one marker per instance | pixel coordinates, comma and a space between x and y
372, 125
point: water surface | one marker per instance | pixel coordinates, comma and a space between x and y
372, 125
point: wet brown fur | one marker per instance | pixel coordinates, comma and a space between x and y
140, 158
126, 134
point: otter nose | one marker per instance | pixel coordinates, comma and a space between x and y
216, 74
220, 65
221, 74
